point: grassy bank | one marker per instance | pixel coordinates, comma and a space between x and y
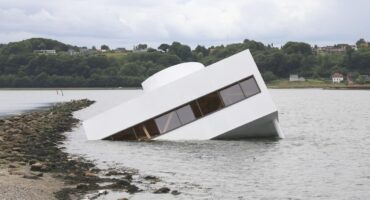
309, 83
312, 83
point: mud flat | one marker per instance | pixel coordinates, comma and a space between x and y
33, 164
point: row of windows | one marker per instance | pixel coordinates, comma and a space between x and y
191, 111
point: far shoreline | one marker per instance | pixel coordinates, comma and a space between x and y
72, 88
323, 88
315, 84
275, 84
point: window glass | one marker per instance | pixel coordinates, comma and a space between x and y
127, 134
185, 114
250, 87
151, 127
140, 133
195, 108
232, 94
167, 122
210, 103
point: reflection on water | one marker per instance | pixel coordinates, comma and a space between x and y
326, 153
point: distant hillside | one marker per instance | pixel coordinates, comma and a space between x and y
29, 45
84, 67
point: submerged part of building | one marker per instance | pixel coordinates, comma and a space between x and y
225, 100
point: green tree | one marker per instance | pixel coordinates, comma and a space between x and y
361, 43
268, 76
133, 69
164, 47
42, 79
41, 46
297, 47
182, 51
104, 47
360, 80
141, 47
201, 49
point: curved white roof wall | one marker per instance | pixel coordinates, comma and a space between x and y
170, 74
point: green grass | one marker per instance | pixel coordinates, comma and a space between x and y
309, 83
119, 56
314, 83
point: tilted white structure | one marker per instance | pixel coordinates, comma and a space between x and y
225, 100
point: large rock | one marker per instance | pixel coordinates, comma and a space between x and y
82, 186
33, 175
38, 167
175, 192
27, 130
16, 149
132, 189
115, 173
123, 182
152, 179
162, 190
12, 166
90, 174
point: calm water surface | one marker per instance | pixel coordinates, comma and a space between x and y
325, 155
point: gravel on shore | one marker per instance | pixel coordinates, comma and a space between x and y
34, 166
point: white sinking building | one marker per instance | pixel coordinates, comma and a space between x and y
225, 100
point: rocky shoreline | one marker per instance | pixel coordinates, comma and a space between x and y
31, 158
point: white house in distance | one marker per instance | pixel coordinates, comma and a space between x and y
45, 51
337, 77
295, 77
226, 100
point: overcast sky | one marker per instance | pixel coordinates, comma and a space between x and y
123, 23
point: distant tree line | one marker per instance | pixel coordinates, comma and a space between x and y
21, 67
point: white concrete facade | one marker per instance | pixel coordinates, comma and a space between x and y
180, 84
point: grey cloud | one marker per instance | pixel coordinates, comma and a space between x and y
125, 23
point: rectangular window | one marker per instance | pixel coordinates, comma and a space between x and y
127, 134
232, 94
196, 109
167, 122
185, 114
151, 127
140, 132
250, 87
210, 103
